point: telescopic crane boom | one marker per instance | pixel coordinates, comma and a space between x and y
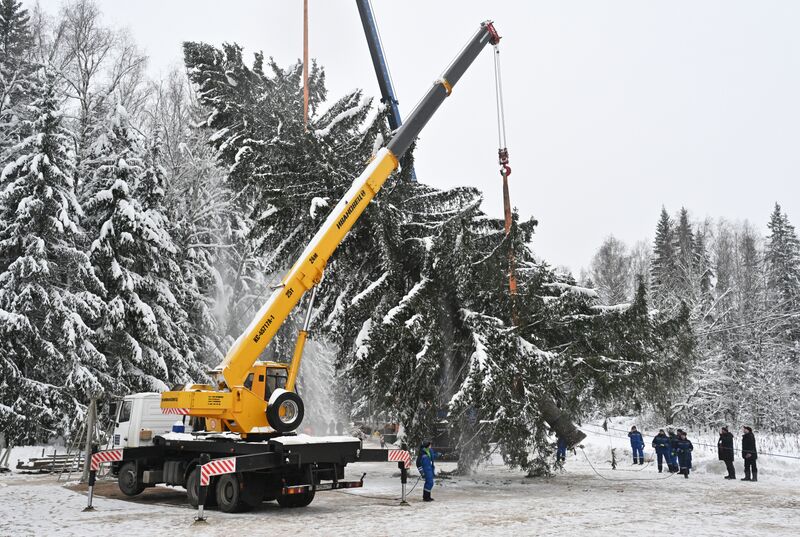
244, 400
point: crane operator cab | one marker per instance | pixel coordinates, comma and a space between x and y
267, 380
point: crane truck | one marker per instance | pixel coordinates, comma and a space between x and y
245, 450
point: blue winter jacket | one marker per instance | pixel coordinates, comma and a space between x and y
636, 439
426, 465
662, 444
684, 450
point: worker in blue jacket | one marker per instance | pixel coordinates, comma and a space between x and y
673, 454
561, 450
426, 468
661, 444
637, 445
684, 449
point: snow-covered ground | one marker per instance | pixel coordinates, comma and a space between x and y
493, 501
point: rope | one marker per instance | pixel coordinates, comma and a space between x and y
379, 497
601, 476
735, 449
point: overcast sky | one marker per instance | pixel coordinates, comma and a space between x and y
614, 108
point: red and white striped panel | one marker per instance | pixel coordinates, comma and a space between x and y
102, 457
400, 455
216, 467
178, 411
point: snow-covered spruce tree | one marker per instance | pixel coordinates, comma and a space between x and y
185, 281
17, 72
49, 294
782, 258
143, 333
663, 270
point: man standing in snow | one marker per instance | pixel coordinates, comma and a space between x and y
684, 450
725, 451
662, 447
637, 445
673, 453
561, 450
749, 454
426, 468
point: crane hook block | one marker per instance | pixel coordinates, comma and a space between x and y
502, 158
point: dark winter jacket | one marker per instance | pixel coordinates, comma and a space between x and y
725, 447
684, 449
749, 446
636, 439
425, 463
661, 443
673, 443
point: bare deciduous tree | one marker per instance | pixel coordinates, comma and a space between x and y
611, 271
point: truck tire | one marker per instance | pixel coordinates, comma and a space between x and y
293, 411
128, 480
296, 500
238, 492
193, 489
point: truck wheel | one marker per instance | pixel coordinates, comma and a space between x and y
296, 500
128, 480
193, 489
237, 493
285, 412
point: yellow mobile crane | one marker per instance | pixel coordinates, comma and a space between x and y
249, 395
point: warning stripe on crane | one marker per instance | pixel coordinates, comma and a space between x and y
216, 467
178, 411
102, 457
399, 455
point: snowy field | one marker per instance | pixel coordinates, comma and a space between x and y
493, 501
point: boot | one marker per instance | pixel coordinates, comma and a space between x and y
746, 477
426, 496
686, 474
755, 476
641, 461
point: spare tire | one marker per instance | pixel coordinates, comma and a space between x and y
285, 411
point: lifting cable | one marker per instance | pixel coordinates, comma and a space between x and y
505, 169
502, 151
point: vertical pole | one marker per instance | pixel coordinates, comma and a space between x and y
403, 475
403, 481
91, 416
92, 479
205, 458
305, 64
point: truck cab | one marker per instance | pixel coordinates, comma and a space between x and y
140, 419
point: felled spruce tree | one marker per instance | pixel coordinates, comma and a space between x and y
50, 298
